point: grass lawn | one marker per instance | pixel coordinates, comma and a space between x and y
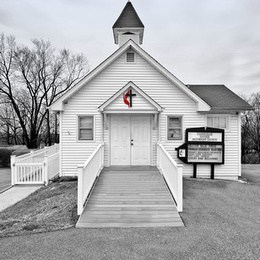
50, 208
222, 221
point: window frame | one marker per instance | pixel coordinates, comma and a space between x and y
78, 128
227, 117
168, 128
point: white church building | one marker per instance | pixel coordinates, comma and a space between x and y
132, 106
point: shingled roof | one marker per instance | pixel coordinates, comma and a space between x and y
220, 98
128, 18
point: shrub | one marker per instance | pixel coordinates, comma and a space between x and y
252, 158
5, 155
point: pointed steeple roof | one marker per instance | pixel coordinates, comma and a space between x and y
128, 26
128, 18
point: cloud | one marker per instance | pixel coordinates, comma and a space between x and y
6, 18
200, 41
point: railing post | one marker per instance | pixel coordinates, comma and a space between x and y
56, 148
31, 155
45, 151
45, 170
102, 156
180, 189
80, 189
157, 162
158, 155
13, 170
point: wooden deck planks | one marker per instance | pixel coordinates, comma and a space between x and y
130, 197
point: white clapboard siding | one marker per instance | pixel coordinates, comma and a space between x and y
175, 102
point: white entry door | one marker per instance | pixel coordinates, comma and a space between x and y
130, 140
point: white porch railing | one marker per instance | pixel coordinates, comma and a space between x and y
36, 167
172, 173
52, 165
87, 174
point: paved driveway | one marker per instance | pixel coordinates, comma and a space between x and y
5, 178
220, 224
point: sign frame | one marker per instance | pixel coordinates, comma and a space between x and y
206, 136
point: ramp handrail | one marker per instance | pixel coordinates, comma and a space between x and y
37, 167
37, 156
172, 173
87, 174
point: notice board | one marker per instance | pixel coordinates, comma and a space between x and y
205, 153
202, 145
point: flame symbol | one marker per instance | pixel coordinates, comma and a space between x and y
125, 98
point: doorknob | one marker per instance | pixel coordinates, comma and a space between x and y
132, 142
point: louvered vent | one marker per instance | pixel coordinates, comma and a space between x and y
130, 57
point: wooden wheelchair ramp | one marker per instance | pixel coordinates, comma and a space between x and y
130, 197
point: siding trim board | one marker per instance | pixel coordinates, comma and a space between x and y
61, 148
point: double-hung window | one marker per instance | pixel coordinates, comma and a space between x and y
85, 128
218, 121
174, 127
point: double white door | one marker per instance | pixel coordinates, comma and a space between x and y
130, 140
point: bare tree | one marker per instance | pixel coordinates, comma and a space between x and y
33, 78
251, 131
10, 130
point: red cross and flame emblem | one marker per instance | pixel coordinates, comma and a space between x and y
128, 94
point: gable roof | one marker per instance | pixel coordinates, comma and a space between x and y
128, 18
130, 84
219, 97
58, 105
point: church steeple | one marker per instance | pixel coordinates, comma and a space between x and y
128, 26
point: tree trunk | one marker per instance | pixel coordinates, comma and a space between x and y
32, 143
49, 141
56, 136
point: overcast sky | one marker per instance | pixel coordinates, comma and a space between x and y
199, 41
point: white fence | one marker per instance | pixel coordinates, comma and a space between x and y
87, 174
172, 173
36, 167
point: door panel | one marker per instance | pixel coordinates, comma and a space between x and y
140, 134
120, 142
124, 151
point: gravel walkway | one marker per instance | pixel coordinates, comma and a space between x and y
222, 221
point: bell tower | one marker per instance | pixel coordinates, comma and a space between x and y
128, 26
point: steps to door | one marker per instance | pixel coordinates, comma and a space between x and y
130, 198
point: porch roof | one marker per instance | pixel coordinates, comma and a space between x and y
153, 105
220, 98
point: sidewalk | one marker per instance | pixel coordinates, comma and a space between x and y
5, 178
15, 194
10, 195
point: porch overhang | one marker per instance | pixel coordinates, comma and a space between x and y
115, 104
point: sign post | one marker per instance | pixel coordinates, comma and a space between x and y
204, 145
